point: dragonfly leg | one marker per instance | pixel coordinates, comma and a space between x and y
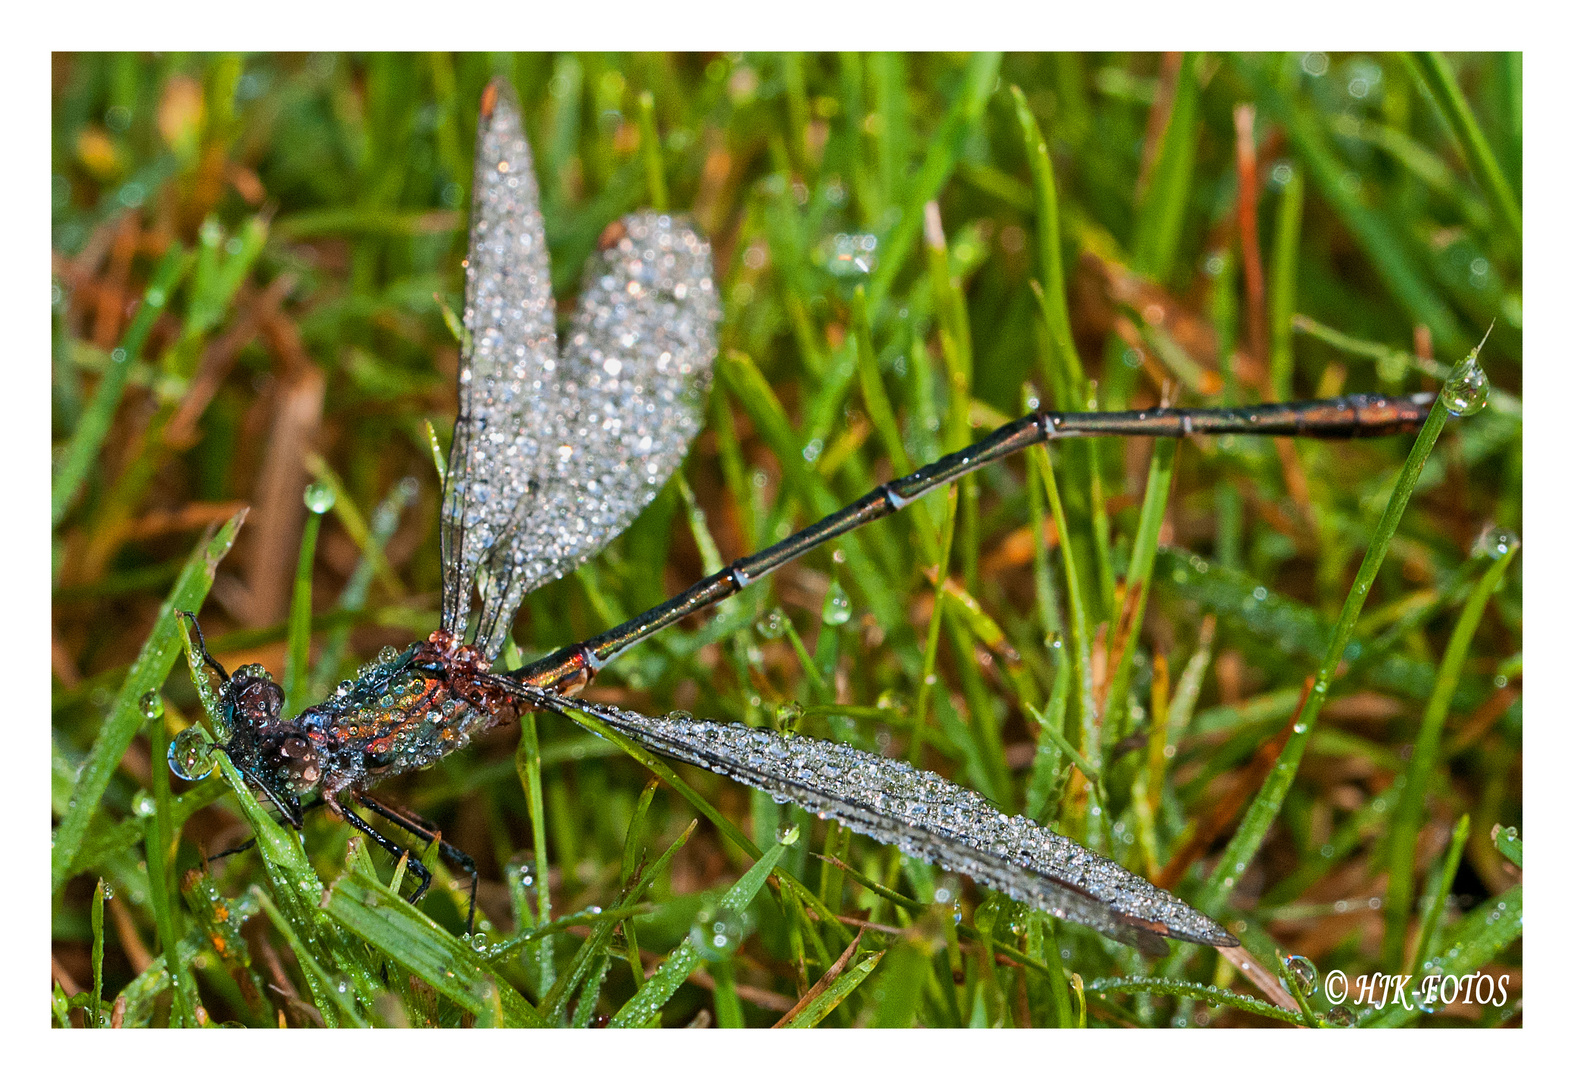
425, 831
202, 646
249, 844
417, 867
236, 850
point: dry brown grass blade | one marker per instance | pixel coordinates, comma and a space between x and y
822, 982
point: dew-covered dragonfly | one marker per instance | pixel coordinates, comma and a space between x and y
556, 448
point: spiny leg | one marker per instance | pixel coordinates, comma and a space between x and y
417, 867
425, 831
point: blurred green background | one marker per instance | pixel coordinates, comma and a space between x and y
252, 259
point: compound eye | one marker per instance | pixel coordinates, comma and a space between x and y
257, 701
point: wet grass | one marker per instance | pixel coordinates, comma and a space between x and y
1194, 658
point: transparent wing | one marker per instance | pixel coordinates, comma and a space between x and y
506, 372
554, 455
929, 817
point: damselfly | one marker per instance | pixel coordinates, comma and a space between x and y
555, 450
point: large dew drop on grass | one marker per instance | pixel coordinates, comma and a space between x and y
191, 755
1303, 971
319, 498
1467, 389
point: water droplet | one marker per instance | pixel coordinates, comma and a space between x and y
319, 497
1495, 543
523, 873
788, 716
773, 625
838, 608
109, 891
1304, 972
190, 754
1467, 389
717, 934
787, 835
1340, 1016
850, 255
152, 705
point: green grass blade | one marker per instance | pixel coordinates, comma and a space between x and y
1492, 926
915, 751
844, 984
297, 658
1081, 638
386, 921
1281, 298
1265, 807
646, 1004
88, 438
527, 763
945, 150
1161, 207
650, 150
1139, 580
320, 979
1064, 367
1224, 999
298, 892
159, 847
1438, 77
95, 1018
147, 674
1044, 780
594, 948
373, 562
1436, 900
1423, 761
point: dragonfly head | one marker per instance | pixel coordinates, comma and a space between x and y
273, 753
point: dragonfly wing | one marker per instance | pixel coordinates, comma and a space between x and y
507, 372
931, 818
555, 453
629, 399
